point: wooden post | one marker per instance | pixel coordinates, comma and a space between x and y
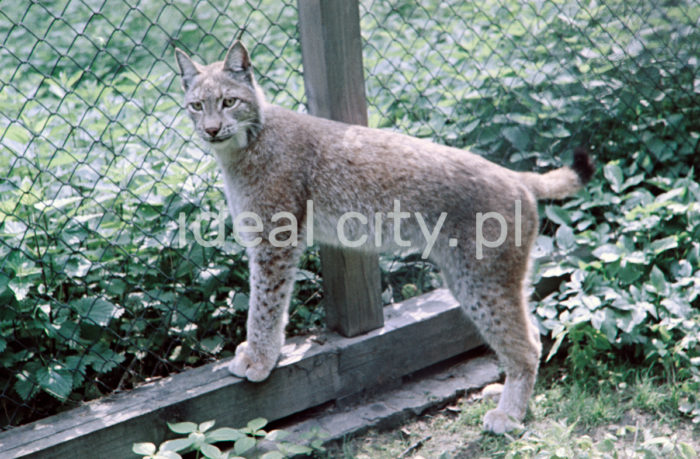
335, 89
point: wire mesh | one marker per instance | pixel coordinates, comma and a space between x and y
103, 177
97, 293
524, 82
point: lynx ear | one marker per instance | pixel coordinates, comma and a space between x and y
237, 61
188, 68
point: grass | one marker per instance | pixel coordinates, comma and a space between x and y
630, 414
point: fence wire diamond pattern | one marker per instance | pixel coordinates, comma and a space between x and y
102, 175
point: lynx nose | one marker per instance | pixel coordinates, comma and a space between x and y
212, 131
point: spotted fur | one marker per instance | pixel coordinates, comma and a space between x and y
276, 160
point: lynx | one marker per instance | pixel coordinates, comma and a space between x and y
276, 162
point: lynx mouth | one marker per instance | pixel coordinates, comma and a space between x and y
218, 139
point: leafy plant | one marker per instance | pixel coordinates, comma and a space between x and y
559, 441
636, 285
200, 439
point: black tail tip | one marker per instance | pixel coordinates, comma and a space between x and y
583, 165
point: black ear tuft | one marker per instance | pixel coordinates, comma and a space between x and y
583, 165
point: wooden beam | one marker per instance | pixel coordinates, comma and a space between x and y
335, 89
417, 333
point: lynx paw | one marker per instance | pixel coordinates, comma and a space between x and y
246, 364
499, 422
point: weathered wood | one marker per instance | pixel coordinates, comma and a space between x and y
331, 47
352, 291
417, 333
335, 89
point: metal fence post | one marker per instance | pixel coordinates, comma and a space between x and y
335, 88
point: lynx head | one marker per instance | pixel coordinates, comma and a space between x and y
223, 99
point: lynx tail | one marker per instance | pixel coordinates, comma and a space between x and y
562, 182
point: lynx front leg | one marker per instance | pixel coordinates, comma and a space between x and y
272, 272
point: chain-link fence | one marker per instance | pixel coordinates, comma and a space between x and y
103, 176
97, 294
527, 80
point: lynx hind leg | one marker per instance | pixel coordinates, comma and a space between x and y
517, 344
500, 312
272, 272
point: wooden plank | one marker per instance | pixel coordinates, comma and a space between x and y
335, 89
417, 333
385, 409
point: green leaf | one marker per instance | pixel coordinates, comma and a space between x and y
667, 243
167, 455
103, 359
183, 427
240, 301
212, 345
18, 135
206, 425
244, 444
273, 455
178, 444
96, 310
591, 302
56, 380
144, 449
629, 273
557, 131
609, 325
557, 215
543, 246
77, 267
555, 270
4, 282
608, 253
26, 386
659, 148
635, 257
557, 344
518, 137
565, 237
658, 281
210, 451
613, 173
20, 286
277, 435
257, 424
224, 434
471, 126
676, 306
197, 438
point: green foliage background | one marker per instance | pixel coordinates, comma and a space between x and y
97, 294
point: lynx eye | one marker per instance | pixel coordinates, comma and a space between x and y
196, 106
230, 102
